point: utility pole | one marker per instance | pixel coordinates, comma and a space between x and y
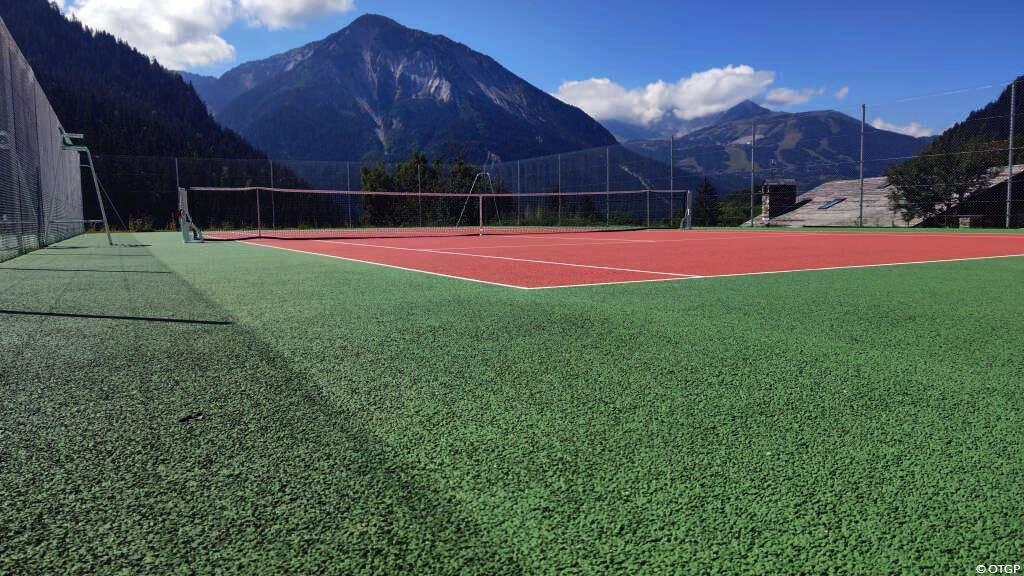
753, 150
1009, 179
863, 122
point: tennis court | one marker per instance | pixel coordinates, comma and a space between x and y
535, 261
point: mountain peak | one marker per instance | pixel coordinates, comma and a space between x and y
383, 90
743, 111
374, 21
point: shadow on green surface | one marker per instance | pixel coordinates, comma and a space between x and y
20, 269
111, 317
278, 476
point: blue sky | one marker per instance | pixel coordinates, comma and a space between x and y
881, 50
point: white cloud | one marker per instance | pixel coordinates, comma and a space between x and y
842, 93
187, 33
275, 14
912, 129
791, 97
701, 94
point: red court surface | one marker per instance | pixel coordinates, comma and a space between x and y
586, 259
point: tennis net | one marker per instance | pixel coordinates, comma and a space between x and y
256, 212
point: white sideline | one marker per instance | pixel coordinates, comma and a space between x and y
308, 253
528, 260
673, 277
768, 272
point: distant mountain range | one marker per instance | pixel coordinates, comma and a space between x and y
672, 126
378, 90
810, 146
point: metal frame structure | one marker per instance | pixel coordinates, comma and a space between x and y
70, 145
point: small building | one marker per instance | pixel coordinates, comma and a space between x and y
777, 198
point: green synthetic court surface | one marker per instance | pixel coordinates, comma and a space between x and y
304, 414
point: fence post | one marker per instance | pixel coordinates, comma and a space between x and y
519, 193
863, 122
648, 207
41, 223
559, 189
671, 178
348, 187
273, 204
608, 185
1009, 179
753, 150
259, 222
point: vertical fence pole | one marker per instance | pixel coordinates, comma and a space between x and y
648, 207
1009, 180
671, 178
480, 209
608, 185
38, 161
559, 189
348, 186
273, 205
419, 190
753, 150
259, 222
863, 122
519, 192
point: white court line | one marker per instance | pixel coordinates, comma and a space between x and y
768, 272
614, 282
576, 236
760, 233
683, 277
308, 253
510, 259
604, 243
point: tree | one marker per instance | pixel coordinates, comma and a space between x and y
705, 205
735, 208
940, 179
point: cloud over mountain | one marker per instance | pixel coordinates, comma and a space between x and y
912, 129
187, 33
699, 95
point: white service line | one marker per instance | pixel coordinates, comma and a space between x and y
768, 272
614, 282
308, 253
675, 277
510, 259
857, 266
605, 243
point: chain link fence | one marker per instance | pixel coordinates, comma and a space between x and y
861, 166
40, 182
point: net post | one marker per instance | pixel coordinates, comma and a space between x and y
182, 209
259, 223
688, 220
480, 209
190, 233
648, 208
